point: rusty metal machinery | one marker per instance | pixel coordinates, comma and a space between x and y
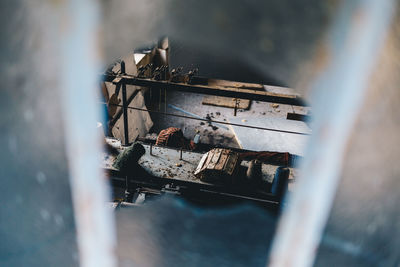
218, 165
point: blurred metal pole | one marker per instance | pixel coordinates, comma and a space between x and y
80, 64
355, 41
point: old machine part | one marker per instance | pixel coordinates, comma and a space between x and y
143, 189
173, 137
218, 165
221, 180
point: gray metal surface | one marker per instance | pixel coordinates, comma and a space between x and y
217, 135
260, 140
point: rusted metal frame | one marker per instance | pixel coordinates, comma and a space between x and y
289, 163
120, 112
212, 121
124, 107
212, 90
118, 179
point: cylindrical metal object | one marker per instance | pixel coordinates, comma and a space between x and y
279, 185
254, 170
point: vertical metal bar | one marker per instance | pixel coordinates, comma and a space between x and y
180, 154
165, 100
124, 107
337, 98
236, 106
94, 221
159, 102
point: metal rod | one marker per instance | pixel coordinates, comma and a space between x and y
118, 179
212, 121
180, 154
120, 112
151, 149
94, 229
236, 106
165, 100
337, 99
124, 106
195, 115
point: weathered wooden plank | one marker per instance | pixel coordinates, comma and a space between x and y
227, 102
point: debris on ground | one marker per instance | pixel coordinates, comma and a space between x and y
275, 105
